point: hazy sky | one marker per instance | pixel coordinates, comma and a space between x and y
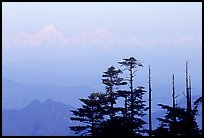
42, 41
98, 28
144, 20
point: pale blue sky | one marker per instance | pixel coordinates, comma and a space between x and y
74, 43
144, 20
151, 28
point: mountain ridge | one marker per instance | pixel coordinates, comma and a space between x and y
49, 118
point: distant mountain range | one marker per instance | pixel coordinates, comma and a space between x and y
38, 119
52, 118
17, 95
43, 109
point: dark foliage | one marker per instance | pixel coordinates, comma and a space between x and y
99, 115
180, 126
91, 114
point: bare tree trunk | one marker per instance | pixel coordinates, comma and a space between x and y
150, 106
188, 104
132, 100
174, 105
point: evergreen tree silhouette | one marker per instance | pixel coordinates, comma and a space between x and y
182, 124
112, 80
99, 115
179, 121
91, 115
134, 104
114, 125
122, 125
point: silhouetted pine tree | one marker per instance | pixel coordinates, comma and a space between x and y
112, 80
178, 121
91, 115
134, 104
139, 108
114, 125
180, 127
122, 125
